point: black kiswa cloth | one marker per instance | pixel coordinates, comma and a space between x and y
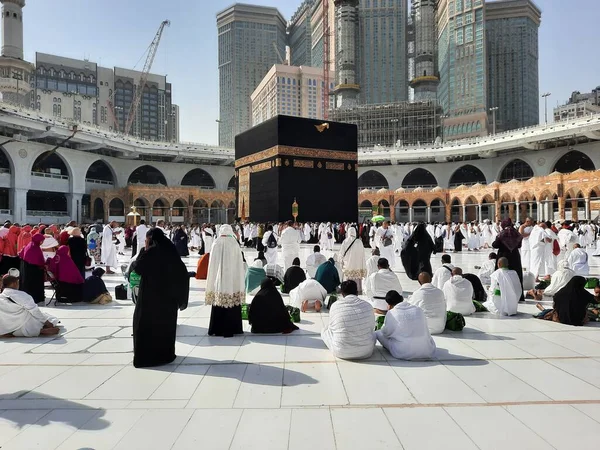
164, 289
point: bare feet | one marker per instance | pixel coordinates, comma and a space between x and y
50, 331
318, 306
539, 306
304, 306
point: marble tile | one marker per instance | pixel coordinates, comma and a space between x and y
219, 387
432, 382
57, 359
261, 387
585, 369
269, 428
551, 381
180, 384
19, 382
65, 345
211, 350
131, 384
165, 427
262, 349
540, 348
414, 426
91, 332
108, 359
14, 422
495, 428
364, 429
449, 348
592, 410
494, 348
494, 384
573, 342
320, 436
389, 389
210, 429
307, 349
552, 421
312, 385
113, 345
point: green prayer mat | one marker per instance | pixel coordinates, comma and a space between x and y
479, 306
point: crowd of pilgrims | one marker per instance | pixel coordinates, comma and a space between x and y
540, 261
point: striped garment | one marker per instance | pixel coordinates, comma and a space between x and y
350, 334
274, 271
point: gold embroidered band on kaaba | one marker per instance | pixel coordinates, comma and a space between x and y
284, 150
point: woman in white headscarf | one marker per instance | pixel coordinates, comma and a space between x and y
352, 258
225, 286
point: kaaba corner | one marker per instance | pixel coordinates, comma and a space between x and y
311, 164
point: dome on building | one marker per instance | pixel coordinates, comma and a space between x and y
382, 191
366, 191
495, 183
462, 186
477, 185
400, 190
580, 170
553, 174
513, 181
419, 189
437, 189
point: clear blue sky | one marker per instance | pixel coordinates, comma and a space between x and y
117, 32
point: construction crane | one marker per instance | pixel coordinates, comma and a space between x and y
326, 58
144, 78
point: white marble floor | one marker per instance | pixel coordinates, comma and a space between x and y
517, 383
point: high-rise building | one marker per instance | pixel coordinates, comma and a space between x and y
579, 105
462, 91
300, 35
289, 90
317, 34
250, 38
425, 80
511, 29
382, 44
16, 75
174, 128
346, 49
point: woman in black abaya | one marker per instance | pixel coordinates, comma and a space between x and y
164, 289
293, 276
508, 242
180, 239
267, 313
416, 253
225, 285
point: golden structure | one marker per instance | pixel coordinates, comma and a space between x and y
573, 196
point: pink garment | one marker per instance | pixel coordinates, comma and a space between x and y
63, 267
32, 253
24, 238
63, 238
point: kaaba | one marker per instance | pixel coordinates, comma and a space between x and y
311, 164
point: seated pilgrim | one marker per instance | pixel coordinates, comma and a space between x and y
444, 273
349, 334
255, 274
559, 280
314, 261
459, 294
293, 276
19, 315
275, 272
379, 284
372, 262
405, 332
267, 312
328, 275
308, 294
505, 290
578, 261
570, 304
70, 281
433, 303
479, 292
487, 269
94, 289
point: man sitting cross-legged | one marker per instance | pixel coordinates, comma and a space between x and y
405, 333
349, 334
433, 303
505, 290
459, 294
19, 315
379, 284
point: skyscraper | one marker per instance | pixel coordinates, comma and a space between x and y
511, 29
383, 67
462, 91
317, 34
249, 39
299, 35
346, 52
425, 81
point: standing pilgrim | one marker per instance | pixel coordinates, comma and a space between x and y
385, 242
352, 258
290, 244
109, 250
508, 243
416, 254
225, 286
164, 289
269, 241
208, 237
141, 232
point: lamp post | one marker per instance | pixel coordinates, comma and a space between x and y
545, 97
493, 111
218, 131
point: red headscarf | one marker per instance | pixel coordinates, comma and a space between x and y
24, 238
63, 238
10, 241
32, 253
63, 267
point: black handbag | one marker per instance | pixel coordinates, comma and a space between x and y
121, 292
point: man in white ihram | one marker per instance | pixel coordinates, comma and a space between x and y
314, 261
290, 244
109, 249
538, 240
379, 284
141, 231
459, 294
444, 273
578, 261
384, 238
433, 303
505, 291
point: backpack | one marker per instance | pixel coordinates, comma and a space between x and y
272, 242
455, 321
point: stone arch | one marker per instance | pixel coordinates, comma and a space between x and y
232, 184
160, 207
200, 211
467, 175
402, 211
366, 204
6, 162
419, 208
54, 161
200, 178
218, 212
384, 208
372, 179
179, 210
573, 160
116, 208
101, 171
419, 177
98, 213
456, 213
516, 169
147, 174
438, 210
